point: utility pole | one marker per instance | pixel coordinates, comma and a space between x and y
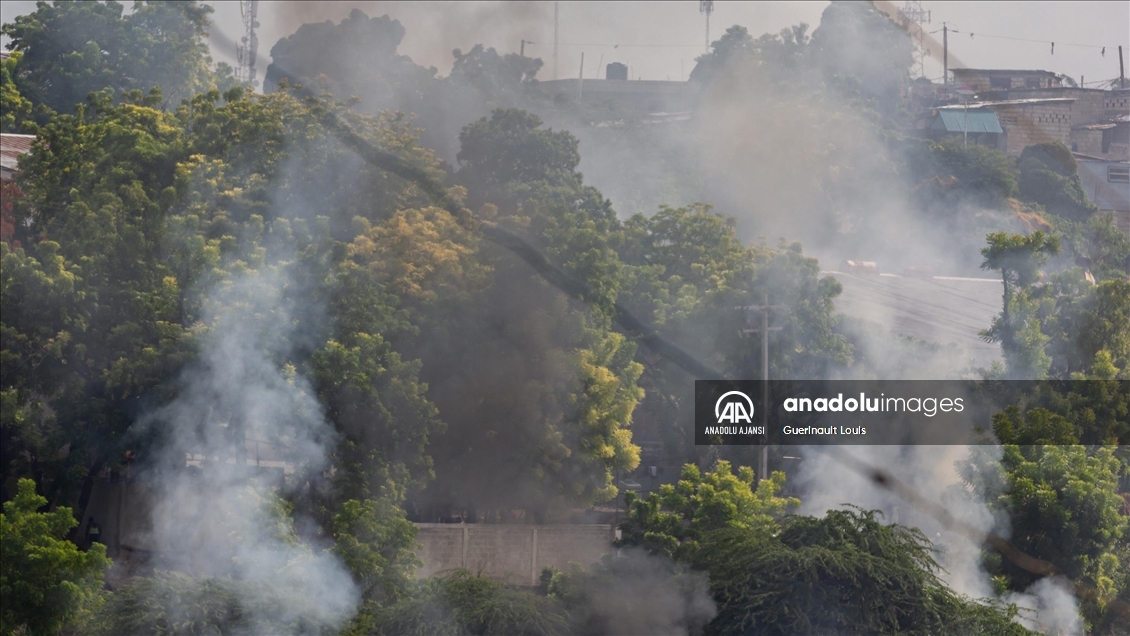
945, 55
581, 79
764, 308
1121, 69
555, 21
707, 7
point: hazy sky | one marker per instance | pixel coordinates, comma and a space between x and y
659, 40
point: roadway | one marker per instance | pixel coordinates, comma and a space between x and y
939, 309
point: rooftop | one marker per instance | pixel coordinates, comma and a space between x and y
956, 121
1008, 71
1009, 102
11, 147
1089, 158
15, 145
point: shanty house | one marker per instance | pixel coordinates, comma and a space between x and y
984, 79
979, 126
1107, 184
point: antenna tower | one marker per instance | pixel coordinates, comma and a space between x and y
249, 46
913, 17
706, 7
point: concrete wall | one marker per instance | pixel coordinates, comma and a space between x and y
979, 79
512, 554
649, 95
509, 553
1028, 124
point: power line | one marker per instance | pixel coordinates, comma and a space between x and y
973, 35
696, 46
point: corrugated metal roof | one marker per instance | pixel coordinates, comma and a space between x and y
956, 121
1010, 102
15, 145
1010, 71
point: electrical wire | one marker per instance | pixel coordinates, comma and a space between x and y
975, 35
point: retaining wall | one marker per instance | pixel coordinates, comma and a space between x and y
512, 554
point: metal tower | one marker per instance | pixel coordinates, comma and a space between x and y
246, 52
913, 17
706, 7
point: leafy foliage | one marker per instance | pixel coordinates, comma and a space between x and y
16, 108
377, 544
461, 603
1049, 175
1018, 259
675, 520
72, 49
177, 604
45, 580
845, 571
1062, 505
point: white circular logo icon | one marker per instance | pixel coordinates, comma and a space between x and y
733, 411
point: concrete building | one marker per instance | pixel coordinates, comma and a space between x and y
1107, 184
1036, 106
651, 96
1024, 122
984, 79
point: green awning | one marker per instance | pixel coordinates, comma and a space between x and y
955, 121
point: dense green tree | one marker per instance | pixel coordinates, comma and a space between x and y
72, 49
949, 173
45, 580
377, 544
847, 571
16, 108
1049, 175
778, 574
1062, 505
461, 603
507, 158
865, 52
679, 519
178, 604
500, 79
1018, 259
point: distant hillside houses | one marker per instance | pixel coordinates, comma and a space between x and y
1012, 109
1030, 107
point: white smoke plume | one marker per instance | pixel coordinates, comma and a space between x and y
220, 517
1054, 609
1048, 606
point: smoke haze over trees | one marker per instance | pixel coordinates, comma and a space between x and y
191, 265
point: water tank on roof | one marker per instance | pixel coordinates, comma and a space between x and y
616, 71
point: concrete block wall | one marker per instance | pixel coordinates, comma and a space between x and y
1088, 142
1117, 100
513, 554
1025, 125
